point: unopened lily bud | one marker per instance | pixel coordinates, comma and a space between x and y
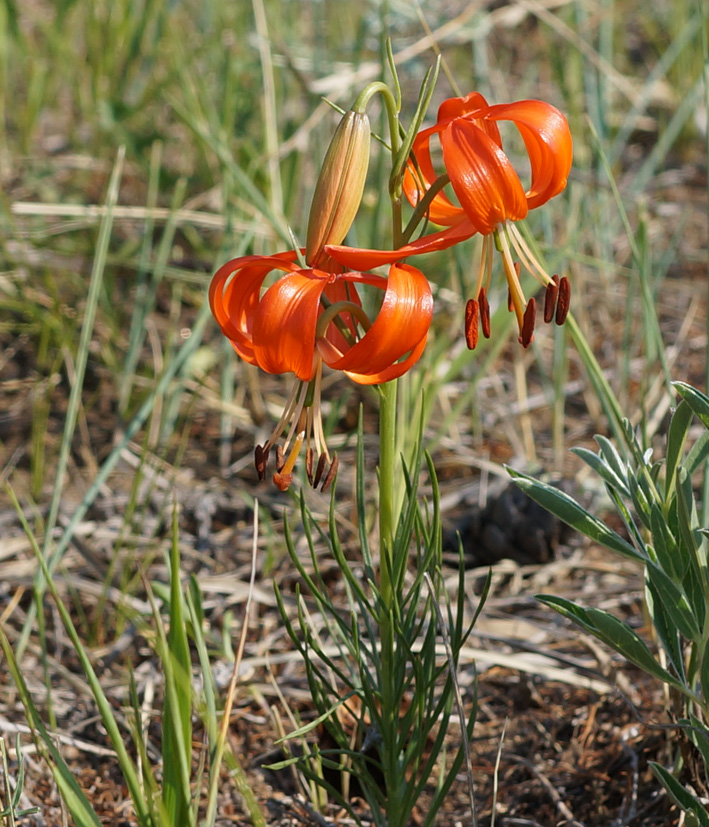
338, 192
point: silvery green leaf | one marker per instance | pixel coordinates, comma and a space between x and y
570, 512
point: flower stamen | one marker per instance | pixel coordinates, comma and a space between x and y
331, 474
564, 300
512, 270
526, 255
472, 318
530, 316
261, 460
322, 460
550, 297
484, 312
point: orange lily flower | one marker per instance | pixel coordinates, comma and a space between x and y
490, 197
310, 317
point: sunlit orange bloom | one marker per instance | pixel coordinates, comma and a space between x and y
489, 192
310, 317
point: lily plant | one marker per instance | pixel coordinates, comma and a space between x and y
299, 312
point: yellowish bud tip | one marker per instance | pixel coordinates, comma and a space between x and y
339, 189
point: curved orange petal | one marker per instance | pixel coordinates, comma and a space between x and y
393, 371
470, 104
284, 323
418, 180
400, 328
234, 295
361, 259
474, 108
547, 138
482, 176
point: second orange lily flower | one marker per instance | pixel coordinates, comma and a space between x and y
490, 194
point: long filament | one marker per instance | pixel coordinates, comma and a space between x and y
318, 432
528, 258
518, 300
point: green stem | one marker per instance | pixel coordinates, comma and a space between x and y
389, 599
388, 609
387, 497
390, 104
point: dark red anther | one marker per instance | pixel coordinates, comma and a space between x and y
261, 460
564, 300
331, 474
550, 299
322, 459
282, 481
309, 464
280, 458
472, 318
484, 312
530, 315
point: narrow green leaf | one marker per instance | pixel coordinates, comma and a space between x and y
667, 632
696, 400
177, 713
674, 601
676, 437
627, 643
176, 781
690, 542
698, 454
428, 86
641, 500
570, 512
686, 512
611, 631
602, 469
681, 795
281, 765
612, 458
311, 725
669, 556
568, 609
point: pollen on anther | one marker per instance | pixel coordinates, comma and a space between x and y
564, 300
472, 318
550, 298
331, 474
261, 460
527, 332
322, 459
484, 313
